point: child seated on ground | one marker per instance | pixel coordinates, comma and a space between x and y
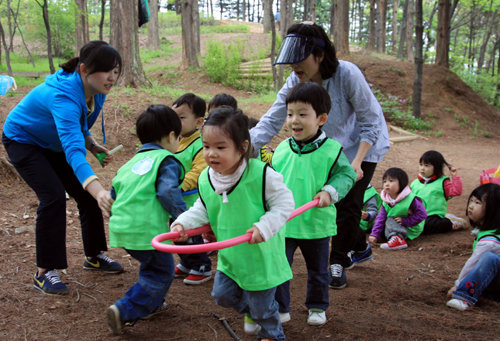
480, 275
371, 206
435, 189
313, 167
239, 195
147, 194
196, 268
401, 215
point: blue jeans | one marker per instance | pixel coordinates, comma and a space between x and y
484, 278
316, 255
195, 263
156, 274
261, 305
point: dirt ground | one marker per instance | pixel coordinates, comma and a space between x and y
400, 295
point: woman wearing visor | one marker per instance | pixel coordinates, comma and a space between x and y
355, 120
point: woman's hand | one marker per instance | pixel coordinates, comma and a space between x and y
372, 240
256, 236
104, 201
357, 168
179, 228
324, 199
101, 149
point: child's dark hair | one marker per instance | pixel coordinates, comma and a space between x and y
330, 62
98, 56
489, 194
252, 122
195, 103
157, 122
435, 159
399, 174
234, 124
310, 93
222, 99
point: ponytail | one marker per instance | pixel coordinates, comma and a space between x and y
70, 65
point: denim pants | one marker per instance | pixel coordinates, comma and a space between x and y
156, 274
261, 305
483, 279
49, 175
315, 252
195, 263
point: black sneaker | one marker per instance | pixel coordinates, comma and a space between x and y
114, 321
338, 278
49, 283
358, 257
102, 262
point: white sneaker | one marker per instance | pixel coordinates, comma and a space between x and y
285, 317
250, 326
458, 304
458, 223
317, 317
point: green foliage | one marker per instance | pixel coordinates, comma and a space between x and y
221, 63
483, 84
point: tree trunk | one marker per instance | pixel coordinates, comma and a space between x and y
244, 11
153, 35
471, 34
101, 22
382, 19
402, 32
81, 24
286, 16
189, 50
196, 27
443, 33
372, 30
12, 26
409, 32
45, 13
361, 19
486, 37
428, 32
394, 25
22, 37
341, 27
417, 83
124, 37
7, 52
332, 17
268, 15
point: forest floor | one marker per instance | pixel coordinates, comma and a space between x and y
399, 295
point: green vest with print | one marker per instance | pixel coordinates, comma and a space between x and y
137, 215
370, 193
186, 157
401, 209
305, 173
253, 267
432, 195
487, 233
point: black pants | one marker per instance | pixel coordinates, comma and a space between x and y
350, 236
49, 175
436, 224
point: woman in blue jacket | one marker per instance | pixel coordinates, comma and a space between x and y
47, 137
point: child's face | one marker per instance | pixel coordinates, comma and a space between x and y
391, 186
426, 169
303, 121
476, 210
219, 151
189, 121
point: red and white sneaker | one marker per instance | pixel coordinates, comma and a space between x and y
196, 279
179, 273
395, 243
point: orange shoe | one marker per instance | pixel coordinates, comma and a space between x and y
179, 273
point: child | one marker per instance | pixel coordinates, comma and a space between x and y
435, 189
371, 206
313, 167
147, 195
402, 213
481, 273
240, 195
197, 267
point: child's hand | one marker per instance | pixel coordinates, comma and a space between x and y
179, 228
324, 199
364, 215
372, 239
398, 220
453, 171
256, 236
452, 289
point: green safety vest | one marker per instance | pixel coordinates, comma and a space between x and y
305, 173
432, 195
186, 157
137, 214
401, 210
370, 193
487, 233
253, 267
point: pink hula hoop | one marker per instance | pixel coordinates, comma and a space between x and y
158, 245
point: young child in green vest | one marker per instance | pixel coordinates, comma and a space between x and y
435, 189
402, 214
480, 276
147, 194
371, 206
313, 167
195, 268
239, 195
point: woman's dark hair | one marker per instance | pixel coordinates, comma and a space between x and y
330, 62
157, 122
223, 99
489, 194
195, 103
399, 174
98, 56
435, 159
310, 93
234, 124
